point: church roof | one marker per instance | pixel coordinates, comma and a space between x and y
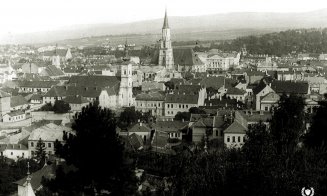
186, 57
165, 25
95, 80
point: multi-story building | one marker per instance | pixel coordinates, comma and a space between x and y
152, 102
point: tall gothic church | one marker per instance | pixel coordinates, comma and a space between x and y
166, 58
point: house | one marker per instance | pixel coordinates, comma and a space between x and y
140, 129
260, 91
235, 135
18, 103
105, 96
172, 128
152, 102
175, 103
14, 151
235, 93
35, 86
248, 118
36, 99
269, 101
76, 102
14, 116
49, 134
210, 126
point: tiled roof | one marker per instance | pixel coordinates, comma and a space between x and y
17, 101
169, 126
186, 57
60, 52
204, 122
135, 141
12, 147
48, 132
46, 171
52, 71
255, 116
215, 82
139, 127
235, 127
196, 117
37, 84
173, 98
4, 94
290, 87
36, 97
77, 99
15, 113
95, 80
152, 96
235, 91
64, 91
187, 89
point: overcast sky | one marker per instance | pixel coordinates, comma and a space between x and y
20, 16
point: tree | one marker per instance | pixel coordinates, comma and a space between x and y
128, 117
170, 85
317, 136
47, 107
61, 107
98, 154
182, 116
196, 110
40, 153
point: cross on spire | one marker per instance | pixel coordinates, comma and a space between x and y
165, 25
28, 179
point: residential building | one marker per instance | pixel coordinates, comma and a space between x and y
152, 102
235, 135
76, 102
14, 151
14, 116
49, 134
4, 103
18, 103
26, 86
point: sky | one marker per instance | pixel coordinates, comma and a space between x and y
23, 16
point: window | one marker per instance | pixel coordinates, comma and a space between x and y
49, 145
217, 132
11, 153
233, 138
23, 154
32, 144
43, 144
266, 108
228, 139
171, 105
180, 106
239, 139
168, 105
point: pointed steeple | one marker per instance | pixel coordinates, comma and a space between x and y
165, 25
126, 56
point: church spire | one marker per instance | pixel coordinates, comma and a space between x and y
165, 25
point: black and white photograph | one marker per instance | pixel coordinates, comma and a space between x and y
163, 98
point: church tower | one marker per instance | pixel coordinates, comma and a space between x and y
166, 58
126, 82
56, 59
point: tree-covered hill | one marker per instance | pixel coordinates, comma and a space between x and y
284, 42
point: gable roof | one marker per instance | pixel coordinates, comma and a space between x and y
48, 132
64, 91
186, 57
235, 91
94, 80
235, 128
37, 84
4, 94
15, 113
290, 87
152, 96
17, 101
139, 127
173, 98
169, 126
214, 82
77, 99
52, 71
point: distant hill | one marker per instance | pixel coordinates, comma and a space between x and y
185, 26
